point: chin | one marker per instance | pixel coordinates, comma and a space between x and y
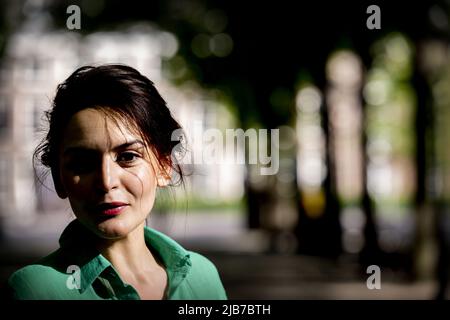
112, 229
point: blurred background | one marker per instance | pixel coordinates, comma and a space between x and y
363, 117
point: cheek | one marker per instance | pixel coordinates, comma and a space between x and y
72, 184
76, 192
142, 184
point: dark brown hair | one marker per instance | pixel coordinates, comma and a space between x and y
121, 92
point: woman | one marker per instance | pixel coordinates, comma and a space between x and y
108, 148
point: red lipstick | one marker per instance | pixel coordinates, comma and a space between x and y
111, 208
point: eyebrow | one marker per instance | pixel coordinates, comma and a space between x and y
75, 149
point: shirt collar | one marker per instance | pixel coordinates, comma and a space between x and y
78, 239
174, 257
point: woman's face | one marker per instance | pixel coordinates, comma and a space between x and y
107, 174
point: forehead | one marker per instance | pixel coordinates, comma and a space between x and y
96, 129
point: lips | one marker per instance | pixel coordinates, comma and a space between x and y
111, 208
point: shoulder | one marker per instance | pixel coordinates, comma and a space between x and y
199, 277
204, 278
202, 264
35, 281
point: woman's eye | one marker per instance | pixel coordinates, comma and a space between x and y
127, 157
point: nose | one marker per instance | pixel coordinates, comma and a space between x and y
107, 177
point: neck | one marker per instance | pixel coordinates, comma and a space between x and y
130, 255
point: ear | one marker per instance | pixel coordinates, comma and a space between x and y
163, 177
60, 191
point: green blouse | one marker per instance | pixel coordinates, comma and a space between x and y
78, 271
